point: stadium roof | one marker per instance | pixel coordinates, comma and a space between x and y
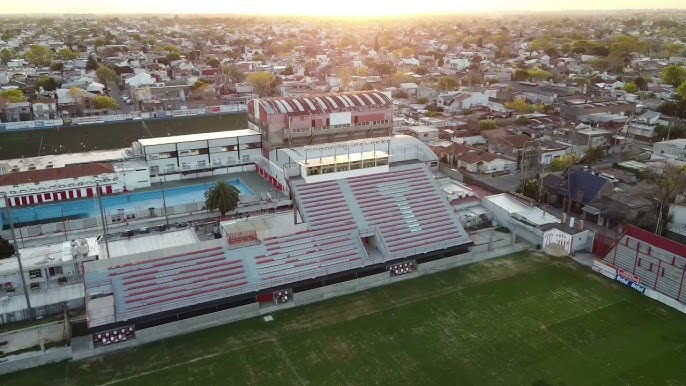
399, 147
51, 174
403, 210
326, 103
196, 137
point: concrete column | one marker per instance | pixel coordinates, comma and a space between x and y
514, 238
490, 242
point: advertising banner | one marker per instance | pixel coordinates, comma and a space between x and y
604, 269
629, 276
631, 284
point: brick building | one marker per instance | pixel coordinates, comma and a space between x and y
322, 118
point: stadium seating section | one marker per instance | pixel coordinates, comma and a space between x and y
659, 263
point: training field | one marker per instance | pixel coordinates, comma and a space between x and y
521, 320
74, 139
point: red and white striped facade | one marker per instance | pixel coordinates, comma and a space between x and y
41, 198
34, 187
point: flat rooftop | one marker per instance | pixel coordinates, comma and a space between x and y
520, 211
42, 256
62, 160
196, 137
147, 242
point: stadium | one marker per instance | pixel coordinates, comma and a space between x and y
358, 213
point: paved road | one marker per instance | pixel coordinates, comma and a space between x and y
116, 93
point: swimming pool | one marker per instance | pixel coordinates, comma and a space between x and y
88, 208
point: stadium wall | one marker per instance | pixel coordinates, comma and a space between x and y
303, 297
664, 299
29, 361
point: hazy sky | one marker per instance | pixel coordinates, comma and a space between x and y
321, 7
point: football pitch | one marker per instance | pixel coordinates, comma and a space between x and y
526, 319
80, 138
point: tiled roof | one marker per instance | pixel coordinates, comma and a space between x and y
69, 171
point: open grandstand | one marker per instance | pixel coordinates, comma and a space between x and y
650, 262
354, 226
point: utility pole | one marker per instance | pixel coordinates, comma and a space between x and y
18, 254
164, 200
102, 218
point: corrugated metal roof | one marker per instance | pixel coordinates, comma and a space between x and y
325, 103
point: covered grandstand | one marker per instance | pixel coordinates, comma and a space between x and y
353, 227
650, 261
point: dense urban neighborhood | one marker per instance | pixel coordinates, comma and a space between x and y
161, 175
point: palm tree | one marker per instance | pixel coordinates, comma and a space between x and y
222, 197
6, 248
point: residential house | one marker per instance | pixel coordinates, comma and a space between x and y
44, 109
17, 111
411, 89
576, 189
674, 149
140, 80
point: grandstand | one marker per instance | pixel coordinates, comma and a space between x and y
353, 225
651, 261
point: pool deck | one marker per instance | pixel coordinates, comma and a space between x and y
252, 179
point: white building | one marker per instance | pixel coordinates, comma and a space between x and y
198, 155
140, 80
569, 238
37, 180
674, 148
343, 159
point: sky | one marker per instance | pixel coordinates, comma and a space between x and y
323, 8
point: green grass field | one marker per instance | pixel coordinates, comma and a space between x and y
521, 320
110, 135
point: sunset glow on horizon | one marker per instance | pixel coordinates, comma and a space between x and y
349, 8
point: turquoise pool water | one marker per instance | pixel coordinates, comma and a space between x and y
88, 208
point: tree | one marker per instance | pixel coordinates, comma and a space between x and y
522, 106
213, 62
563, 163
658, 188
259, 58
631, 87
56, 66
486, 124
681, 90
520, 75
105, 102
222, 197
105, 73
39, 55
233, 73
594, 154
674, 75
664, 133
532, 188
538, 74
6, 55
640, 82
421, 70
173, 56
77, 94
401, 77
66, 54
13, 96
6, 248
263, 83
91, 63
288, 71
47, 83
422, 100
447, 83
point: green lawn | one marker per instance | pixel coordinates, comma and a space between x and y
110, 135
522, 320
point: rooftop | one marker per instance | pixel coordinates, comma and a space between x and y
51, 174
147, 242
517, 209
325, 103
42, 256
61, 160
196, 137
